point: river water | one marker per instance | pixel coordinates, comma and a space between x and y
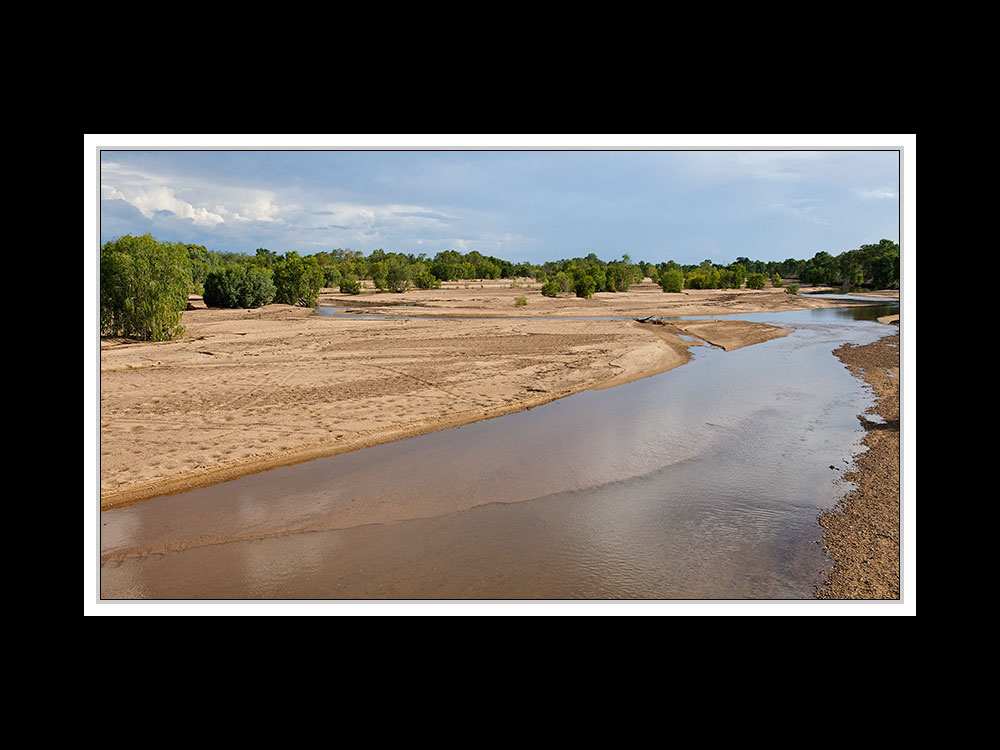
704, 482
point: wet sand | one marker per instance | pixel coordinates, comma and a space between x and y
248, 390
862, 534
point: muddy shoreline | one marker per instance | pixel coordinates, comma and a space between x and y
862, 533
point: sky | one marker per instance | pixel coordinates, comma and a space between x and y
517, 203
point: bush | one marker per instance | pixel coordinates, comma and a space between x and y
671, 280
755, 281
520, 301
550, 288
331, 276
427, 280
238, 286
144, 287
564, 281
397, 275
350, 285
585, 287
792, 289
618, 278
297, 280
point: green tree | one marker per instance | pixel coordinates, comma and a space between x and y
551, 288
564, 281
671, 279
350, 285
297, 280
331, 276
426, 280
586, 286
739, 272
447, 265
265, 257
144, 287
377, 271
602, 277
202, 261
397, 274
239, 286
756, 281
884, 271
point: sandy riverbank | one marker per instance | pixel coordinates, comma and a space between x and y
248, 390
862, 534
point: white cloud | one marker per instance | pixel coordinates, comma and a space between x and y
203, 203
877, 193
155, 198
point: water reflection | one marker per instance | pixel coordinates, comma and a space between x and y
703, 482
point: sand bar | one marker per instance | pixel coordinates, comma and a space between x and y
248, 390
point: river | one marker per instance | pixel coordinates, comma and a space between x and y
702, 483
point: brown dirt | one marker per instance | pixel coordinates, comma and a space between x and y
248, 390
862, 534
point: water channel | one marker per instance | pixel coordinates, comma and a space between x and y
704, 482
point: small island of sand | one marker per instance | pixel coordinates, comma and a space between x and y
248, 390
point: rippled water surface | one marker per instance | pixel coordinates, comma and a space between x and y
704, 482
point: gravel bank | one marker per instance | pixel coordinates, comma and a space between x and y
862, 534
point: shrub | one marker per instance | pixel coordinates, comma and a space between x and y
331, 276
550, 288
671, 280
755, 281
564, 281
397, 275
585, 287
350, 285
618, 278
297, 280
603, 281
238, 286
427, 280
792, 289
520, 301
378, 274
144, 286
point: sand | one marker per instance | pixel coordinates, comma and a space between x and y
244, 391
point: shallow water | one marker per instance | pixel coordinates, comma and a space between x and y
704, 482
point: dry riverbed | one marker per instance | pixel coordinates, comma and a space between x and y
248, 390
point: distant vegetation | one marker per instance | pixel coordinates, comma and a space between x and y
145, 282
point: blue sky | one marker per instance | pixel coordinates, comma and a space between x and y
522, 205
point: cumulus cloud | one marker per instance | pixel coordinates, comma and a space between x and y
191, 199
201, 203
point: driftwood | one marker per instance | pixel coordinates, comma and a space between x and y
654, 319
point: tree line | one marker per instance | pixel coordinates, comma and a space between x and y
144, 283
